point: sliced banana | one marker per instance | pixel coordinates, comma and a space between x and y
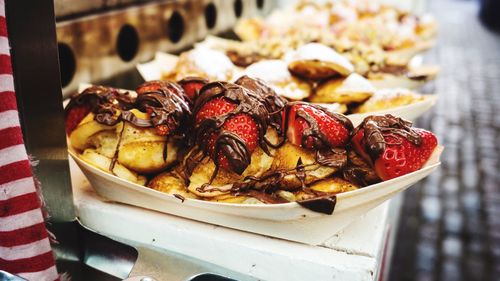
333, 185
80, 137
287, 157
260, 162
104, 163
170, 183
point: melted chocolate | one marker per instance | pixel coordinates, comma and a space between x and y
164, 101
324, 204
263, 187
272, 101
235, 149
166, 104
104, 102
180, 197
377, 127
335, 157
358, 171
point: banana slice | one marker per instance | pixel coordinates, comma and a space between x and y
289, 158
143, 151
354, 88
260, 163
170, 183
140, 149
104, 163
80, 137
333, 185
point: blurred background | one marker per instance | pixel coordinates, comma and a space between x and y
450, 223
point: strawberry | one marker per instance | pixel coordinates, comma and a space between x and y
192, 86
314, 128
399, 153
242, 125
214, 108
75, 115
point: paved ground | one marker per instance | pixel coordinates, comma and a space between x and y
450, 224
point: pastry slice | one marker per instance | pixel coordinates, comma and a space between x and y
354, 88
316, 61
388, 98
276, 74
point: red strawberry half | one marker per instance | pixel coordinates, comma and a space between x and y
74, 116
402, 151
315, 128
192, 86
241, 125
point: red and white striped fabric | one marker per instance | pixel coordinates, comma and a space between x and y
24, 243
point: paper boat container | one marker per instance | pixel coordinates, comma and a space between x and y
288, 221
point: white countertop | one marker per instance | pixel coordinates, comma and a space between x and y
356, 253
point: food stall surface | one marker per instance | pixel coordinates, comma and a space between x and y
449, 226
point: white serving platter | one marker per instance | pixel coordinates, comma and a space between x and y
288, 221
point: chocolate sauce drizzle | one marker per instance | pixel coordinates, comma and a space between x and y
272, 101
325, 204
192, 79
164, 101
377, 127
256, 99
104, 102
166, 104
231, 145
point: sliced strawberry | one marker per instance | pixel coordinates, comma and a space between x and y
241, 125
192, 86
150, 86
214, 107
330, 131
400, 155
158, 85
74, 116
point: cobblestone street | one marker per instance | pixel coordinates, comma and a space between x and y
450, 223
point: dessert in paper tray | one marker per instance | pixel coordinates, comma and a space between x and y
382, 69
239, 155
312, 73
358, 27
